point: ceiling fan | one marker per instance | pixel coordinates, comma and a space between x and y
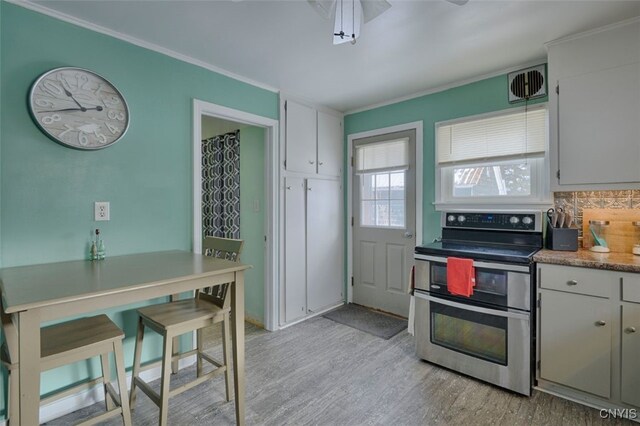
349, 14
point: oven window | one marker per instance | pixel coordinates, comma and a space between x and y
491, 281
476, 334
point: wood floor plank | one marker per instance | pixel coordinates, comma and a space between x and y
323, 373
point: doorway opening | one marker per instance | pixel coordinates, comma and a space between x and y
246, 144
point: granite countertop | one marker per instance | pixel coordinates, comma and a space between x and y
622, 262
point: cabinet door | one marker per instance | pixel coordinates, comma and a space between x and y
325, 272
575, 341
295, 295
330, 144
599, 127
631, 354
301, 133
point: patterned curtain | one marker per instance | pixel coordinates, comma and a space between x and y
221, 186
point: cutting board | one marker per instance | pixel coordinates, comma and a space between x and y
620, 235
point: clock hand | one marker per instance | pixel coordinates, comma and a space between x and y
68, 93
83, 109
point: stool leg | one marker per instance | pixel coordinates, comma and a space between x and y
14, 397
166, 378
226, 349
118, 354
174, 363
106, 378
136, 362
200, 346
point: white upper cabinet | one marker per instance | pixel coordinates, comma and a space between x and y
301, 134
329, 144
594, 109
313, 140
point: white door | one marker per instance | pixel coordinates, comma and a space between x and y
384, 206
325, 241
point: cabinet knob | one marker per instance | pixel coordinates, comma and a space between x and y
601, 323
320, 163
572, 282
630, 330
311, 162
309, 189
289, 187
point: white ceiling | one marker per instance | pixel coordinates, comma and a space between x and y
415, 46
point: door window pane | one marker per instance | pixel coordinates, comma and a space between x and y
382, 199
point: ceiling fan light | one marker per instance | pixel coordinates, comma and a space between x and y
348, 21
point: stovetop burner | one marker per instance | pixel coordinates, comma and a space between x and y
502, 237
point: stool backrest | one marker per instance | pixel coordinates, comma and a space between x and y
221, 248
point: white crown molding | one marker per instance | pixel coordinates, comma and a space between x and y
593, 31
452, 85
136, 41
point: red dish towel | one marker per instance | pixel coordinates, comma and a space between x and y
461, 276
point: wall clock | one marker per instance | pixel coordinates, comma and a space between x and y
78, 108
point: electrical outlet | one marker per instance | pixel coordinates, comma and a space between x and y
101, 210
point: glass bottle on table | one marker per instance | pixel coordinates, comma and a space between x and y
100, 251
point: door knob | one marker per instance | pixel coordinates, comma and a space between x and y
601, 323
630, 329
408, 234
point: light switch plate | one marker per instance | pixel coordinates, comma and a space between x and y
101, 210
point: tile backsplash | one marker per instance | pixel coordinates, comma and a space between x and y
575, 202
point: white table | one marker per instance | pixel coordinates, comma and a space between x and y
38, 293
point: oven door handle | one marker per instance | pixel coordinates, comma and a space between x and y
486, 265
473, 308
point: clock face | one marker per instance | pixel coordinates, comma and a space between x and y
78, 108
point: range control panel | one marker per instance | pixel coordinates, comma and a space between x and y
499, 221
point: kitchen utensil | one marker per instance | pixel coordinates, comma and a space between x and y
552, 214
568, 220
561, 217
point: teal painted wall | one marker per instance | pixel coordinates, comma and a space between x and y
475, 98
48, 190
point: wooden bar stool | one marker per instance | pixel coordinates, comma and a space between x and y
209, 306
67, 343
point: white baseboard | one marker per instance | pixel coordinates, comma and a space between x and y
94, 395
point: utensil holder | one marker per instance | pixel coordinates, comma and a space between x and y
561, 239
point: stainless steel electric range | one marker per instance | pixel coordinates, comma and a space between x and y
488, 335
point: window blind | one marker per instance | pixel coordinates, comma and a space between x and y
511, 134
382, 156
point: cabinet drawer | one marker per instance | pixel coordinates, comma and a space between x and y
631, 288
592, 282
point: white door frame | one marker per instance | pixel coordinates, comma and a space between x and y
417, 126
203, 108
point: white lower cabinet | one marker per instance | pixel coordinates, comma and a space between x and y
631, 354
589, 335
575, 341
295, 272
313, 252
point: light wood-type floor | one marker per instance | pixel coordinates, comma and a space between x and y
323, 373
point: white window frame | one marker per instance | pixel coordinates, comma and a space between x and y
360, 222
540, 196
